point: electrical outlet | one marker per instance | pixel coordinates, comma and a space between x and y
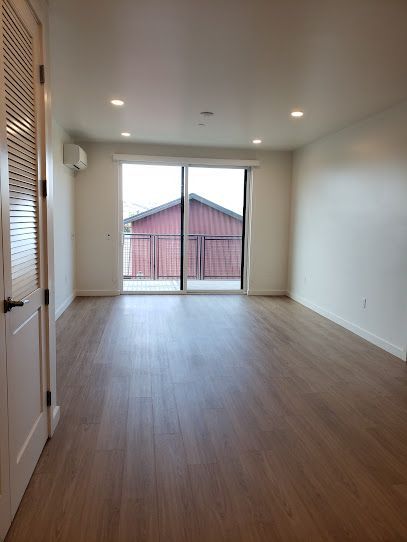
364, 302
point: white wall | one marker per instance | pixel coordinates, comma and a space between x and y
64, 223
270, 223
96, 211
349, 228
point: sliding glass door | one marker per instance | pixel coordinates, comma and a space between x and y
216, 228
152, 197
171, 210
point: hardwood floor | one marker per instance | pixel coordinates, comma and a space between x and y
219, 418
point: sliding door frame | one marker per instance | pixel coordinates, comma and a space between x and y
183, 261
243, 257
184, 236
184, 164
120, 243
245, 238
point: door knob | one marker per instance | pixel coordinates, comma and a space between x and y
11, 303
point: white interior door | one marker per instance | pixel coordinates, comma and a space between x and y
23, 241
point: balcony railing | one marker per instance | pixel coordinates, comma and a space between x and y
148, 256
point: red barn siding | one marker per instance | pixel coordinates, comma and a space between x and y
202, 220
221, 256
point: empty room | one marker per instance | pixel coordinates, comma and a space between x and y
203, 262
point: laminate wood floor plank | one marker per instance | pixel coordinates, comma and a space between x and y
174, 491
218, 419
139, 502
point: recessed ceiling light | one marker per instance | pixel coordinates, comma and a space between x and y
297, 113
207, 114
126, 134
117, 102
257, 141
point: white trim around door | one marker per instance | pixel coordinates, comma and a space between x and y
184, 163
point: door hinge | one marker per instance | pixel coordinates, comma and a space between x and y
42, 74
46, 296
44, 188
49, 398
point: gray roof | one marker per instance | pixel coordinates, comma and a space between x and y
177, 201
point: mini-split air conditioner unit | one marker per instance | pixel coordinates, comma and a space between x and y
75, 157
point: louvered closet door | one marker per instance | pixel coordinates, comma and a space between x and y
23, 240
22, 154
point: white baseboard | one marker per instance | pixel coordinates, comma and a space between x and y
266, 292
63, 306
398, 351
97, 293
56, 414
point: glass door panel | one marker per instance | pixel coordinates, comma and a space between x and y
215, 245
152, 228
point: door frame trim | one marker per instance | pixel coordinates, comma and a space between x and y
184, 161
40, 9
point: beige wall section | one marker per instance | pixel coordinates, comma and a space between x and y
97, 214
270, 223
64, 223
349, 228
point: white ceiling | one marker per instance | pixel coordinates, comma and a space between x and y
249, 61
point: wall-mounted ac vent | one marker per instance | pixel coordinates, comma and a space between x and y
75, 157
